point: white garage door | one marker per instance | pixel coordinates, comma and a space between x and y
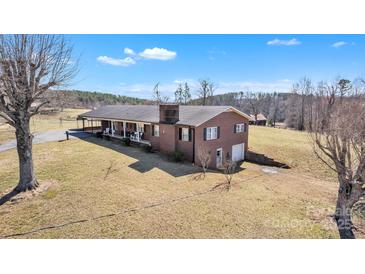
238, 152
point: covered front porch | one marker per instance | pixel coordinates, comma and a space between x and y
136, 131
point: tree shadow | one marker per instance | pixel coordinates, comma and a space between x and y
7, 197
146, 161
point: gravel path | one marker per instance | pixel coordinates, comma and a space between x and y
48, 136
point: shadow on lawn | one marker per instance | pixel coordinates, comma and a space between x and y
7, 197
147, 161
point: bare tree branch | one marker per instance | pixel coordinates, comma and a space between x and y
29, 66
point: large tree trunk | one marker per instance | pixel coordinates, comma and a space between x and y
343, 217
27, 179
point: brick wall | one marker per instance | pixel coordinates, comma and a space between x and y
228, 138
167, 138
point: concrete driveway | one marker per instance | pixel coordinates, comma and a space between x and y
48, 136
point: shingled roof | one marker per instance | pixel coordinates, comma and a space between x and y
188, 115
260, 117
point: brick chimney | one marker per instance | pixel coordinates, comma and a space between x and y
169, 113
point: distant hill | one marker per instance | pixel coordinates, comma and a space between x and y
61, 99
89, 99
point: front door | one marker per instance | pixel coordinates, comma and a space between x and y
219, 158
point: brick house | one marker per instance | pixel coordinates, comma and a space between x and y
221, 130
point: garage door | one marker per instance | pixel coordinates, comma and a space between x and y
238, 152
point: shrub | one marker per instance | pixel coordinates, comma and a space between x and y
177, 156
204, 158
126, 141
147, 149
99, 134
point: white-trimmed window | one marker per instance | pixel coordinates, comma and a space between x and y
140, 127
185, 134
240, 128
212, 133
156, 130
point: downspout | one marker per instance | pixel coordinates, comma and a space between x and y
193, 145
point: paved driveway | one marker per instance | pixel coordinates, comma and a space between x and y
48, 136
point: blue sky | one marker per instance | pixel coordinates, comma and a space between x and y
132, 64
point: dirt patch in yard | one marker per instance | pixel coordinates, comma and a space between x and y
43, 186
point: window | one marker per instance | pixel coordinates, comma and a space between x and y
156, 130
239, 128
185, 134
140, 127
212, 133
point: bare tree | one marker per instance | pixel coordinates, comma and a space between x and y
186, 93
254, 103
29, 66
274, 109
179, 94
338, 134
165, 99
229, 169
62, 99
157, 94
206, 90
300, 100
211, 89
204, 158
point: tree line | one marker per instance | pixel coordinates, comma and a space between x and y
87, 99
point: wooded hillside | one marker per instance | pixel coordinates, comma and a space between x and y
88, 99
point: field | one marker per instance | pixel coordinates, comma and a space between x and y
291, 147
40, 123
93, 188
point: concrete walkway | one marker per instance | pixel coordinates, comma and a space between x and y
48, 136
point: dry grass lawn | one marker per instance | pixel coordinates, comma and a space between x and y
41, 123
291, 147
99, 189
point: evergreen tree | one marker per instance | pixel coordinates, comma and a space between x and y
186, 93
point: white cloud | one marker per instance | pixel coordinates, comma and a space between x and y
285, 80
158, 54
129, 51
339, 44
132, 58
116, 62
278, 42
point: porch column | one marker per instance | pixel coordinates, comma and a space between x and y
124, 128
137, 128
